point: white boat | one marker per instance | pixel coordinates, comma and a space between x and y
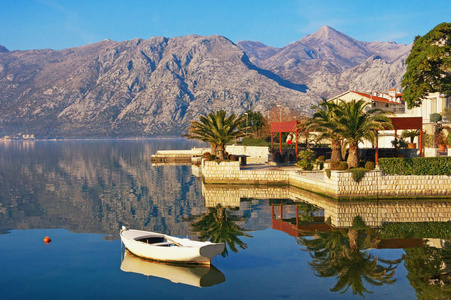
161, 247
194, 275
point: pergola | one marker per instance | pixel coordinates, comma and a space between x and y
284, 127
403, 123
399, 123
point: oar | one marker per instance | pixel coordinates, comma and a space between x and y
172, 241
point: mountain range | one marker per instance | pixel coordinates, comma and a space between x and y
157, 86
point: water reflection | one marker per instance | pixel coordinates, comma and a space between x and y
95, 186
429, 270
199, 276
218, 225
341, 253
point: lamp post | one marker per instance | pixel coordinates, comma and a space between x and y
280, 128
247, 119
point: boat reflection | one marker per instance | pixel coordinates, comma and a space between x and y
199, 276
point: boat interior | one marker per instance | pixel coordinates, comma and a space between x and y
156, 241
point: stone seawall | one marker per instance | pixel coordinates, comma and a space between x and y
340, 184
230, 172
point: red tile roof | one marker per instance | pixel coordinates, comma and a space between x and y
376, 98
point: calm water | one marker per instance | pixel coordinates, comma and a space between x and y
79, 193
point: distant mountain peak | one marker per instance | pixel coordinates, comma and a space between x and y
327, 33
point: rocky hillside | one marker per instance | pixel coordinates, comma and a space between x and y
157, 86
329, 62
134, 88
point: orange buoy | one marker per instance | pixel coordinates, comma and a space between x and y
47, 240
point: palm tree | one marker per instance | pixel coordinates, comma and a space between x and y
334, 254
217, 130
357, 123
218, 226
325, 122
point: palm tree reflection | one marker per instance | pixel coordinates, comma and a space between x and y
342, 253
219, 226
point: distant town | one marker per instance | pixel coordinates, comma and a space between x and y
19, 136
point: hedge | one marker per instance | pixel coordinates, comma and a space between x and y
416, 166
439, 230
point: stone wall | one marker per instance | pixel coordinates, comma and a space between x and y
374, 184
256, 155
340, 184
230, 172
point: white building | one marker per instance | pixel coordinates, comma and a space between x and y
392, 101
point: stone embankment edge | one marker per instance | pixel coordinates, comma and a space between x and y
340, 186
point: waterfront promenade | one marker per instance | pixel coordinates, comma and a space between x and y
340, 185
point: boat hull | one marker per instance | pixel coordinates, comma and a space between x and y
173, 250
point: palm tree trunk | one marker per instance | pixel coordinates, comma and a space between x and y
353, 236
220, 151
336, 151
353, 157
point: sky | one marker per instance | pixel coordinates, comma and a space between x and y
59, 24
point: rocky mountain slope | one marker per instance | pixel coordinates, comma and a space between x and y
134, 88
330, 62
157, 86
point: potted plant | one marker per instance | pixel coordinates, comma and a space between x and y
440, 138
399, 143
411, 134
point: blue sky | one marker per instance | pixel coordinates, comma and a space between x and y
58, 24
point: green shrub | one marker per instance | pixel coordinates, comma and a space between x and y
304, 165
357, 174
369, 165
416, 166
429, 140
441, 230
334, 165
358, 223
343, 166
307, 158
321, 158
212, 157
328, 173
435, 117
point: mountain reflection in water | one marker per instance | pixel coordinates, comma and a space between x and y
98, 186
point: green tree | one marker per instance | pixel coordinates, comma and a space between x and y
428, 65
217, 130
254, 121
357, 123
324, 121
